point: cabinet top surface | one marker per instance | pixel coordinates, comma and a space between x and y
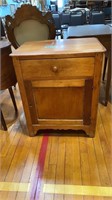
59, 47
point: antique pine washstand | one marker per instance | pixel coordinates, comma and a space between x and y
59, 82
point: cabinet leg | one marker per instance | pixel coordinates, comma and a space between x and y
32, 133
91, 134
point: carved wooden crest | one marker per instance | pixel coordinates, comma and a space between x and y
28, 12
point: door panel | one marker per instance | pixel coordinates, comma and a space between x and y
59, 103
60, 100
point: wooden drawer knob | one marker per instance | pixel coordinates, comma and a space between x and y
54, 68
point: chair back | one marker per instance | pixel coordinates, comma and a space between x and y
107, 12
57, 21
97, 18
65, 18
76, 18
29, 24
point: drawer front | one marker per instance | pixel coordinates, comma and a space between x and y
57, 68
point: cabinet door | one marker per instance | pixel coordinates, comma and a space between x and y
60, 99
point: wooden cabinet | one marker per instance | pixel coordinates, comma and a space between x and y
59, 83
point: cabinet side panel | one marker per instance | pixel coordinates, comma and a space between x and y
17, 67
96, 87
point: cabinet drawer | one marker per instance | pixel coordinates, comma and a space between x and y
51, 68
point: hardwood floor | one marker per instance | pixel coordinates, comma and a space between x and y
67, 160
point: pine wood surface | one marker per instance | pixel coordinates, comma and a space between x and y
71, 158
64, 47
55, 61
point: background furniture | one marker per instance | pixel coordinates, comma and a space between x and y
108, 14
2, 34
97, 17
103, 33
81, 4
97, 5
63, 81
76, 18
29, 24
65, 18
53, 6
7, 74
57, 22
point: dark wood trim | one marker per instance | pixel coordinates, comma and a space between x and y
87, 101
28, 12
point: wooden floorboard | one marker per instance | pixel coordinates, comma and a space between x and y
69, 158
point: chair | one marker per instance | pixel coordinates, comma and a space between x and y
57, 23
29, 24
53, 6
76, 18
7, 74
107, 13
65, 19
97, 18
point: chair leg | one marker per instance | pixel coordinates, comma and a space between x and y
3, 121
13, 98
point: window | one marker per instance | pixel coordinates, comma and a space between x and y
60, 3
